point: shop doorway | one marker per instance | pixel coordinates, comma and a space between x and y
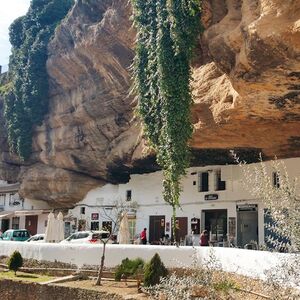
156, 229
181, 229
247, 224
31, 223
215, 222
5, 225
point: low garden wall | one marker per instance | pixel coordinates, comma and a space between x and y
20, 290
246, 262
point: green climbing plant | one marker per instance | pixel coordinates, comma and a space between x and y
167, 31
26, 102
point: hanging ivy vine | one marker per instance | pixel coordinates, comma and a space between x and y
166, 35
26, 102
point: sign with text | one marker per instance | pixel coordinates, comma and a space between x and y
211, 197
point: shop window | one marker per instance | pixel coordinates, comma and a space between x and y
15, 223
94, 225
195, 225
276, 179
2, 199
220, 184
203, 182
107, 225
128, 195
82, 210
216, 224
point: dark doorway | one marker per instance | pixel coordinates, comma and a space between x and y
81, 225
247, 225
216, 224
31, 224
181, 228
156, 229
5, 225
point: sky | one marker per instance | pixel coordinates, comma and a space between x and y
9, 11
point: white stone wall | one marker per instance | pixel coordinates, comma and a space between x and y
246, 262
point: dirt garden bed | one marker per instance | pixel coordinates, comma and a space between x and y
228, 286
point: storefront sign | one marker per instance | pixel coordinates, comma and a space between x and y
211, 197
95, 216
246, 207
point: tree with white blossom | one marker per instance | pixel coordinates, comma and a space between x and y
280, 196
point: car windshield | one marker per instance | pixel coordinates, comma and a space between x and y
71, 237
82, 235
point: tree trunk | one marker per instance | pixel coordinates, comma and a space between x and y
100, 272
174, 229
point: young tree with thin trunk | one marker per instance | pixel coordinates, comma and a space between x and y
112, 213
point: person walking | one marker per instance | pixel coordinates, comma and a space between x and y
143, 236
204, 238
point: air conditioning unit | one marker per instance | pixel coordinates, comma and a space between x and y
16, 202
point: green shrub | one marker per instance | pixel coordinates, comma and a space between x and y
154, 270
225, 285
129, 267
15, 261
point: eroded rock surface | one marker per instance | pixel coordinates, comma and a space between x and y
246, 87
247, 90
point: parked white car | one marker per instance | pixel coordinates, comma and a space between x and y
37, 238
90, 237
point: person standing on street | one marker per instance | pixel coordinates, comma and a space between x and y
143, 236
204, 239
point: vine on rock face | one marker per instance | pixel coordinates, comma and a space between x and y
166, 35
27, 101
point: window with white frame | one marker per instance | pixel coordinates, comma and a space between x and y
132, 227
203, 182
13, 199
15, 223
220, 185
2, 199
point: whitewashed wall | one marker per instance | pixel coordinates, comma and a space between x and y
27, 204
147, 192
246, 262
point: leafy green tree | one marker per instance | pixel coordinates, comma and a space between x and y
15, 261
154, 270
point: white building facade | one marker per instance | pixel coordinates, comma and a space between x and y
213, 198
18, 213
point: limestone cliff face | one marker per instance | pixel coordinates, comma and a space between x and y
246, 88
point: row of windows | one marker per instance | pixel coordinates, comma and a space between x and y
220, 185
11, 199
